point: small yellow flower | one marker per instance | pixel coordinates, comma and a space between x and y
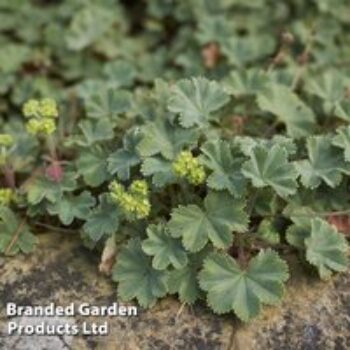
187, 166
139, 187
48, 108
6, 196
31, 108
44, 126
6, 140
133, 202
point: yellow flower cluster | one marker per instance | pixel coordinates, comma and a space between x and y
6, 140
134, 201
185, 165
41, 114
6, 196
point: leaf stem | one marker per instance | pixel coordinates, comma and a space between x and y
15, 236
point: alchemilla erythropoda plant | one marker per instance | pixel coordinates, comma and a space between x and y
194, 145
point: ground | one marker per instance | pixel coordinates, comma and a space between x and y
313, 315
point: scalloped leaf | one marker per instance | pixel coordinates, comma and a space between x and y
15, 236
225, 162
88, 25
136, 277
342, 140
270, 167
92, 166
161, 137
216, 222
288, 108
108, 103
71, 207
164, 249
326, 163
184, 281
326, 248
230, 287
195, 100
160, 169
245, 82
43, 188
121, 161
103, 220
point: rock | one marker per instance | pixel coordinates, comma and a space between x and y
313, 314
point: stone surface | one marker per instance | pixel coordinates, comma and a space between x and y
314, 315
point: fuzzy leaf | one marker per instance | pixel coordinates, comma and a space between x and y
326, 248
230, 287
288, 108
165, 249
136, 276
270, 167
161, 137
103, 220
70, 207
184, 281
92, 166
342, 140
216, 222
88, 25
108, 103
94, 131
160, 170
326, 163
225, 163
121, 161
43, 188
329, 86
245, 82
15, 236
195, 100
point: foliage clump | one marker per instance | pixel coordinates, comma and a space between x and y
200, 142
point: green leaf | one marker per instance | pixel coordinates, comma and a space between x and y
342, 140
184, 281
121, 161
160, 137
329, 86
342, 109
246, 82
288, 108
326, 248
103, 220
216, 222
88, 25
92, 166
195, 100
136, 276
94, 131
270, 167
241, 51
70, 207
160, 169
296, 235
225, 163
43, 188
15, 236
247, 143
268, 232
119, 73
108, 103
12, 56
326, 163
164, 249
230, 287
